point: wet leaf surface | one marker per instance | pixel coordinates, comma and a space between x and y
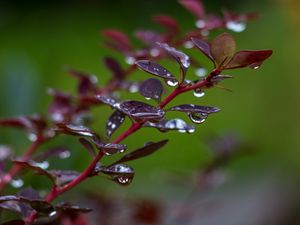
204, 47
114, 122
151, 89
155, 69
173, 124
191, 108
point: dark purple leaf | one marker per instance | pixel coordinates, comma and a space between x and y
41, 206
190, 108
87, 83
168, 22
14, 222
12, 206
147, 149
107, 100
63, 177
6, 198
155, 69
114, 122
194, 6
88, 146
118, 38
114, 66
223, 48
179, 56
60, 152
151, 89
141, 111
40, 168
26, 195
120, 173
203, 46
109, 148
246, 58
173, 124
77, 130
72, 208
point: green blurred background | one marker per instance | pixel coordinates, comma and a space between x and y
39, 38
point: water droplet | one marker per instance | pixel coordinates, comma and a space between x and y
154, 52
147, 98
43, 165
64, 154
17, 183
182, 131
130, 60
32, 137
201, 72
255, 66
94, 79
176, 124
188, 44
133, 88
191, 130
124, 180
57, 117
200, 24
236, 26
198, 117
199, 93
53, 213
172, 83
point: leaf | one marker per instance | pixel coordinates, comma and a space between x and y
109, 148
41, 206
114, 122
149, 37
60, 152
107, 100
87, 83
114, 66
151, 88
72, 208
180, 57
147, 149
77, 130
155, 69
5, 198
223, 48
120, 173
168, 22
63, 177
173, 124
190, 108
248, 58
118, 38
35, 166
88, 146
204, 47
141, 111
194, 6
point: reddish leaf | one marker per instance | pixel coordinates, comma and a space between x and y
63, 177
194, 6
60, 152
77, 130
114, 66
246, 58
141, 111
118, 38
169, 22
223, 48
151, 89
203, 46
114, 122
147, 149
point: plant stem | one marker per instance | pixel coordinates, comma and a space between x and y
16, 168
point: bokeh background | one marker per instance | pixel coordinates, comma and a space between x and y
39, 38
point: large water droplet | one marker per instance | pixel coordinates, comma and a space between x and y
176, 124
43, 165
236, 26
32, 137
172, 83
198, 117
124, 180
188, 44
200, 24
17, 183
201, 72
199, 93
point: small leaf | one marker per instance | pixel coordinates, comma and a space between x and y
194, 6
203, 46
109, 148
173, 124
179, 56
155, 69
248, 58
114, 66
77, 130
41, 206
149, 37
190, 108
147, 149
151, 88
72, 208
223, 48
60, 152
169, 22
63, 177
119, 38
141, 111
107, 100
114, 122
88, 146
